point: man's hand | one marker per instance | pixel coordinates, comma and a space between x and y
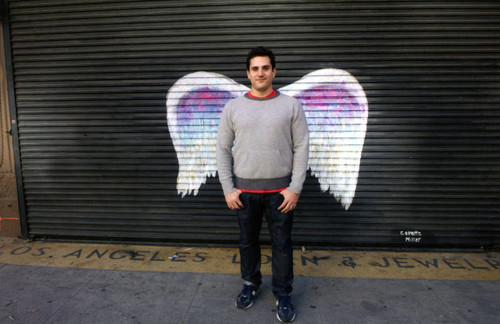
233, 200
290, 202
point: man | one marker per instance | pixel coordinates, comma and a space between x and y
262, 155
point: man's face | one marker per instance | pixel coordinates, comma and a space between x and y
261, 74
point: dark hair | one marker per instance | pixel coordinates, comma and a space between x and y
261, 51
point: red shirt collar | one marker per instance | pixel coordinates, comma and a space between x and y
272, 94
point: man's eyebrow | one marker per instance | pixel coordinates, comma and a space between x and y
264, 66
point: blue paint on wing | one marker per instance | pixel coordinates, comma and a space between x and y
329, 104
202, 107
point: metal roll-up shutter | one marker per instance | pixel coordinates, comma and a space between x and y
98, 162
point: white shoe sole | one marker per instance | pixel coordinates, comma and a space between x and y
279, 319
243, 308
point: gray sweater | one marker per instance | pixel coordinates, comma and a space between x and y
262, 144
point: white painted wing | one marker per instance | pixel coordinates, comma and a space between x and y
194, 105
336, 109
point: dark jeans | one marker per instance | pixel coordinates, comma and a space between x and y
256, 205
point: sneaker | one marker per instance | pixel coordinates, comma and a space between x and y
246, 296
286, 311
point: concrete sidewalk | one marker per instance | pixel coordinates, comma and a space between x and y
35, 294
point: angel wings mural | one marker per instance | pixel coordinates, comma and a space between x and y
335, 106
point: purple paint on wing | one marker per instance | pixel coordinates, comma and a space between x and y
330, 101
202, 106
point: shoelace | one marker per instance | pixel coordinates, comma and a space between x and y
284, 302
248, 290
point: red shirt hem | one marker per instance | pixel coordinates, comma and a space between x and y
262, 191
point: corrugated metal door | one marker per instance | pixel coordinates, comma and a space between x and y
98, 162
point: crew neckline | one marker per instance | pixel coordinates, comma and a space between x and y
274, 93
